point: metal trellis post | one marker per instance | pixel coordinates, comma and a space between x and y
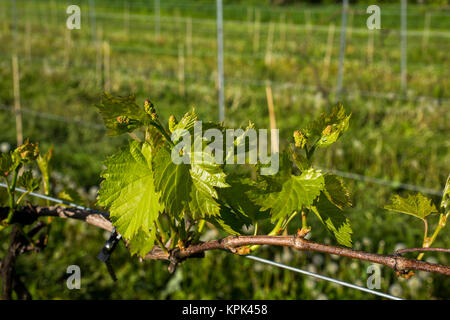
220, 60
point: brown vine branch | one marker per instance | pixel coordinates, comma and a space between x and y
407, 250
233, 244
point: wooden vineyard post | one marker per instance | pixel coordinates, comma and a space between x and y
426, 31
67, 48
98, 60
256, 31
17, 107
181, 73
28, 40
106, 63
275, 148
249, 19
189, 42
269, 45
329, 50
370, 41
283, 31
126, 18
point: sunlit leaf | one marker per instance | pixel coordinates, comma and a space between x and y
415, 205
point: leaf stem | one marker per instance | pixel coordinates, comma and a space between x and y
22, 196
275, 231
161, 244
429, 241
11, 191
304, 223
161, 230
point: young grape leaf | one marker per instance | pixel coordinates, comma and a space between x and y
336, 191
190, 186
206, 176
300, 160
44, 164
122, 114
417, 205
333, 219
173, 181
142, 242
236, 198
329, 127
27, 181
296, 192
186, 123
229, 221
128, 190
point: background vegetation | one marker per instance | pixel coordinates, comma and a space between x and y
394, 135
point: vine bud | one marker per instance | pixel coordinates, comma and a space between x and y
300, 139
27, 152
150, 109
327, 130
123, 120
172, 123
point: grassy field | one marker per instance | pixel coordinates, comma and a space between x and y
396, 135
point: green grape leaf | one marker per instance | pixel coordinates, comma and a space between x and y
173, 181
122, 114
329, 127
229, 221
239, 142
190, 186
336, 191
300, 160
128, 190
185, 123
237, 199
142, 242
44, 164
416, 205
446, 196
206, 176
334, 220
296, 192
27, 181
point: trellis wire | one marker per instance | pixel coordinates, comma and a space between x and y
389, 183
299, 10
272, 263
220, 75
318, 276
56, 200
373, 94
321, 28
